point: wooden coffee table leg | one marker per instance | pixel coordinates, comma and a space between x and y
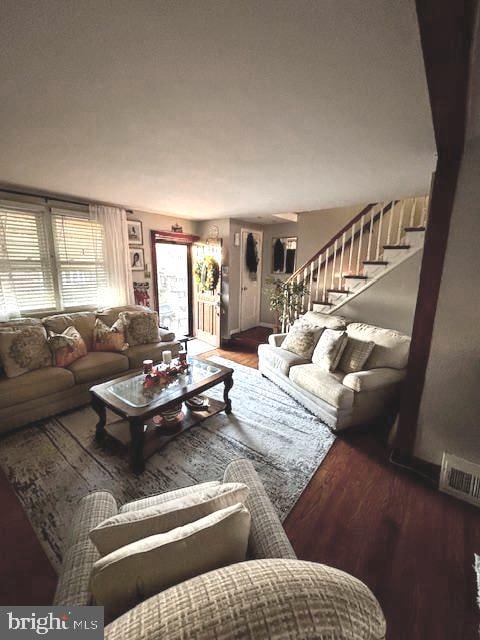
228, 385
137, 433
101, 410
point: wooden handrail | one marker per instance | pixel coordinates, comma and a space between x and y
338, 235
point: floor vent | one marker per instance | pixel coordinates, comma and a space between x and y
460, 478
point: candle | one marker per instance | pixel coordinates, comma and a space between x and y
147, 366
167, 357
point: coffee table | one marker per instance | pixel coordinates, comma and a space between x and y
127, 398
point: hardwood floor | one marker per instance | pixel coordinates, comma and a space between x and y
410, 544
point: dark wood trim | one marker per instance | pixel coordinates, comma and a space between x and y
168, 237
446, 37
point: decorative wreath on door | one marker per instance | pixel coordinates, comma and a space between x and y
207, 273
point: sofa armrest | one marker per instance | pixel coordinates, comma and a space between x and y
373, 379
164, 335
276, 339
267, 536
80, 553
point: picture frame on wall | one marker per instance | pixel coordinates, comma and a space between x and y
135, 232
137, 259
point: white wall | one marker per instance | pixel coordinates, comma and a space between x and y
449, 417
313, 229
389, 302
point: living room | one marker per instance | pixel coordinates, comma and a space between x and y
234, 242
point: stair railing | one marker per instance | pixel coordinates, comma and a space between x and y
360, 242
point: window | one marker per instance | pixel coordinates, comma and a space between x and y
50, 259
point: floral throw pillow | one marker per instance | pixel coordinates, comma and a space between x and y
66, 347
301, 340
329, 349
107, 338
141, 327
24, 349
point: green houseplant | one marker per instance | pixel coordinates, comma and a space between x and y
285, 300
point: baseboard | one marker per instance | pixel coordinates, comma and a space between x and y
426, 471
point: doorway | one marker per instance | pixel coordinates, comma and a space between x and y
173, 286
250, 280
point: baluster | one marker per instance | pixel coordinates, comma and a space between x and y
360, 238
379, 238
412, 213
400, 222
425, 212
305, 276
390, 221
310, 297
370, 234
296, 308
340, 273
333, 265
325, 268
352, 238
317, 287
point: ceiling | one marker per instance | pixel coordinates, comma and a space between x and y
215, 108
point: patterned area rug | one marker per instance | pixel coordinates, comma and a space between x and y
54, 463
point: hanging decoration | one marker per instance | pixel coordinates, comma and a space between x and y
207, 273
278, 255
251, 256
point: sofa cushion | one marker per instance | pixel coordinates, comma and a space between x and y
301, 340
161, 498
33, 385
323, 384
136, 355
129, 575
130, 526
322, 320
279, 359
83, 321
98, 365
67, 347
19, 323
373, 379
24, 349
109, 338
141, 327
355, 355
109, 315
329, 349
391, 347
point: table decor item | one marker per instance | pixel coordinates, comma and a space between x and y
161, 375
167, 357
147, 366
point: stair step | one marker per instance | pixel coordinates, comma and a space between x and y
338, 291
325, 303
414, 229
380, 262
396, 246
356, 276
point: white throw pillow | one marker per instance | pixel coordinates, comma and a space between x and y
301, 340
130, 526
329, 349
355, 355
129, 575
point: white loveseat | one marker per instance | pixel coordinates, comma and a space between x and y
341, 400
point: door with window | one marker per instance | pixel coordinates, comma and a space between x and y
207, 265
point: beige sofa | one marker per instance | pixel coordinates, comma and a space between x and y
51, 390
340, 400
271, 596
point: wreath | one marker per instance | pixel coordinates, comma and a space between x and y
207, 273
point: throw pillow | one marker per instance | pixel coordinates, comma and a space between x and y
301, 340
355, 355
125, 528
142, 569
141, 327
109, 338
67, 347
24, 349
329, 349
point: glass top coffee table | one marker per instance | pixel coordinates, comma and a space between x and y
136, 406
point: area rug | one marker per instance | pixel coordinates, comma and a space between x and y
52, 464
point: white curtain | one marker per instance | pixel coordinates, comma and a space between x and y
119, 284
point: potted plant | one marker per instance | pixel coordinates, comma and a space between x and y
285, 300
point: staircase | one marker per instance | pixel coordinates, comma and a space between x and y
375, 241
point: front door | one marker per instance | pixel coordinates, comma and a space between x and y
250, 280
172, 279
207, 268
